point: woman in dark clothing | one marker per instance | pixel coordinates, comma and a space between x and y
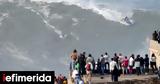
137, 64
98, 66
146, 64
142, 65
116, 57
82, 63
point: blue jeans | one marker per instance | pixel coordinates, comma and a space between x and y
102, 68
77, 80
125, 70
142, 69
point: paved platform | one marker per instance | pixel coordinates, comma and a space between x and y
107, 78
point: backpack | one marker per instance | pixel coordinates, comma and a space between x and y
88, 67
125, 63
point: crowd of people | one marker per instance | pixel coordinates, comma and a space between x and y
156, 36
82, 65
60, 79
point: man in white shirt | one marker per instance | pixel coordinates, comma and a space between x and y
114, 70
112, 64
106, 57
131, 64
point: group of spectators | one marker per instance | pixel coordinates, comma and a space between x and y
156, 36
60, 80
83, 66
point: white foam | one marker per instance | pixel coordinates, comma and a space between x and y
75, 21
75, 36
19, 54
3, 16
56, 16
45, 11
55, 30
114, 10
107, 12
59, 32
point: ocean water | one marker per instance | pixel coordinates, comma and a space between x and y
40, 35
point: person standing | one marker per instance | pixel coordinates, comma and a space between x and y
98, 66
116, 57
131, 64
125, 65
120, 60
146, 63
106, 57
102, 59
137, 64
73, 56
153, 63
89, 68
114, 70
89, 59
82, 63
155, 36
142, 65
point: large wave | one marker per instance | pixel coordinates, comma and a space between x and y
114, 10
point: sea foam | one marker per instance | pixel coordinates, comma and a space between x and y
105, 10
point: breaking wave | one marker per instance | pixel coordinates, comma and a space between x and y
114, 10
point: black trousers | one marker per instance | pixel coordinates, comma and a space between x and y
147, 68
153, 66
114, 76
138, 70
82, 70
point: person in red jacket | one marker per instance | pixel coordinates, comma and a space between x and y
125, 65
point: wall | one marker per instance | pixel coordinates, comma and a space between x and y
155, 48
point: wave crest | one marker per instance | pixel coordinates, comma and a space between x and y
105, 10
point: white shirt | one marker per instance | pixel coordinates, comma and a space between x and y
74, 73
153, 59
121, 58
137, 63
112, 65
131, 60
106, 57
89, 59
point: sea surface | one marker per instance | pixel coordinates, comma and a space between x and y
41, 34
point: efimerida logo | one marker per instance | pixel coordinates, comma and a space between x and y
19, 78
27, 77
